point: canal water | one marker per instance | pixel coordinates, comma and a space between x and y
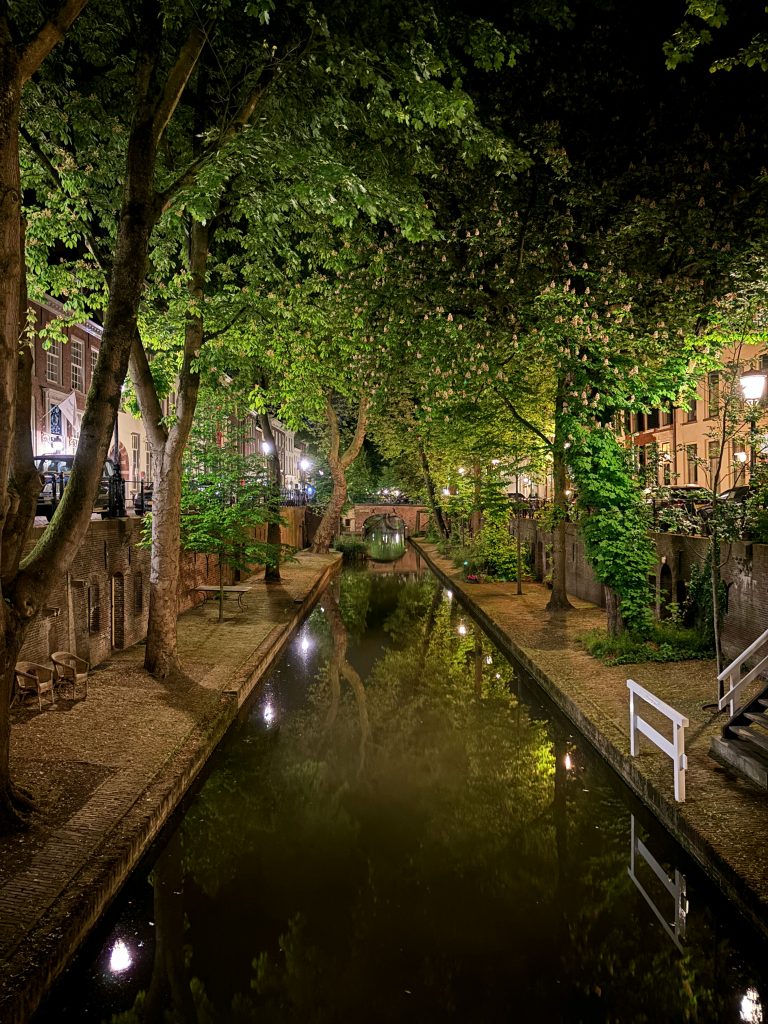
397, 829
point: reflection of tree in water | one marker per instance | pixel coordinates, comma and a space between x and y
340, 668
426, 881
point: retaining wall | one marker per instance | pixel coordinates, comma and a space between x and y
744, 570
102, 603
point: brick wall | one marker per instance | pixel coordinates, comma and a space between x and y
103, 601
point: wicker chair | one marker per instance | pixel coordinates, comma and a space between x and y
69, 670
33, 680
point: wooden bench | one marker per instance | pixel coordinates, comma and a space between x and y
213, 592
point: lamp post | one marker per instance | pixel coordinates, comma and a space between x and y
752, 388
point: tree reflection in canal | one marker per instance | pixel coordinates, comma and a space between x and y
415, 841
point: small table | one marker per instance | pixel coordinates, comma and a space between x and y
213, 592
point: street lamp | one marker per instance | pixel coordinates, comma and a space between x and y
752, 388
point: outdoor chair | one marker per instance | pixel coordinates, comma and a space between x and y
35, 680
69, 670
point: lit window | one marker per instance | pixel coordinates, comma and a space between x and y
76, 347
53, 362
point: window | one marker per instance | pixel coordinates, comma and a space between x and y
713, 455
94, 357
76, 364
135, 456
667, 414
94, 611
147, 465
691, 456
652, 420
713, 394
690, 416
53, 362
764, 364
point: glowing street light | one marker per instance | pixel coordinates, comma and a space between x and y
305, 465
266, 447
752, 388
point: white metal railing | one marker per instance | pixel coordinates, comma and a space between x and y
735, 680
674, 748
676, 888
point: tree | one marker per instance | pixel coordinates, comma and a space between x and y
157, 85
225, 495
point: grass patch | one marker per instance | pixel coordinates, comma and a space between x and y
664, 643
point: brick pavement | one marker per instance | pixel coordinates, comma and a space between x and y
113, 767
723, 823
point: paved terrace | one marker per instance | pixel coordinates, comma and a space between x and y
723, 823
109, 770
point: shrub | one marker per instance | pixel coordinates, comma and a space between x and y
493, 554
663, 642
353, 549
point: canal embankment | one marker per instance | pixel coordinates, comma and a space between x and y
723, 823
109, 770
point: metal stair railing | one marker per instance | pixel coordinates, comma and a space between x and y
732, 678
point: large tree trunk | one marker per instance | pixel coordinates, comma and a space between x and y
429, 483
161, 656
274, 539
327, 529
613, 610
558, 601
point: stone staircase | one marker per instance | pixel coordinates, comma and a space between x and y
743, 745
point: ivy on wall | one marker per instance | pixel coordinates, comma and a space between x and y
614, 521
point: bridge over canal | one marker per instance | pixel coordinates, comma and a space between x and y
415, 517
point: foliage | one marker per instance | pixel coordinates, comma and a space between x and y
352, 548
491, 554
698, 602
757, 506
224, 493
660, 642
615, 522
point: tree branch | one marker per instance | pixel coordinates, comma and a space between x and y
356, 443
151, 412
177, 80
521, 419
48, 36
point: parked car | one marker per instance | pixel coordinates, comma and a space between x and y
56, 470
142, 500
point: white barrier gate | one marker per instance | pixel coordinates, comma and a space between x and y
674, 748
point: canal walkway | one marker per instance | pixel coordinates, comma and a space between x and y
723, 823
108, 771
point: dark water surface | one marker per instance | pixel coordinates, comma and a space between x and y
398, 830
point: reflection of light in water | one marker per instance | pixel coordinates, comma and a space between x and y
488, 659
120, 957
462, 629
448, 595
751, 1010
568, 762
305, 644
269, 714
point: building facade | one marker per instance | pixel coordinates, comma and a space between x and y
63, 369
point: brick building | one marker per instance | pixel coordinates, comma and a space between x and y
63, 368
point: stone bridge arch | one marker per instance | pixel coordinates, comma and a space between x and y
415, 517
